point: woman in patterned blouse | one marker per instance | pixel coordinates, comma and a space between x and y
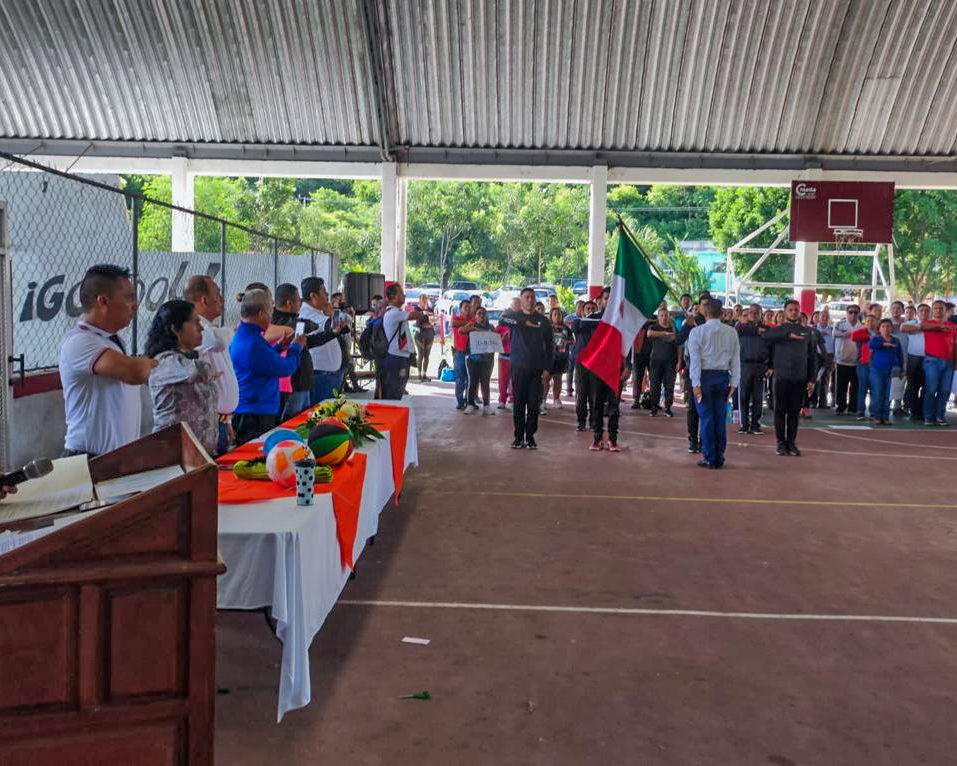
181, 385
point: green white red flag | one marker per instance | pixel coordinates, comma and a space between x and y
635, 296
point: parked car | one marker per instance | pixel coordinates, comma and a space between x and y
449, 302
463, 285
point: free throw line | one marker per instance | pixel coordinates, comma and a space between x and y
650, 612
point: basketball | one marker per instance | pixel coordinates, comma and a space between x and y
331, 442
281, 462
280, 435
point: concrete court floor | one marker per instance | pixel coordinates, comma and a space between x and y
861, 526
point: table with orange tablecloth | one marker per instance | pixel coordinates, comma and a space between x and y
288, 557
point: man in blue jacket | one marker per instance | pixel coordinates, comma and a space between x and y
259, 367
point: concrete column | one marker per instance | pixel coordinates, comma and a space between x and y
805, 271
183, 240
401, 221
387, 257
596, 229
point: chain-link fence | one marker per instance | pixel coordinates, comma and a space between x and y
59, 225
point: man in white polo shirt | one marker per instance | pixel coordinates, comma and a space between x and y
394, 367
100, 382
205, 295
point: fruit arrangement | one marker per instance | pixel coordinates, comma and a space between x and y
256, 469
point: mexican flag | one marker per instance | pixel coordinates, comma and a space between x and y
635, 296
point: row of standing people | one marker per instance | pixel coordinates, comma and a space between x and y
281, 358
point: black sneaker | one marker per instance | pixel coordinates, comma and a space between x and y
782, 449
518, 444
636, 405
942, 422
669, 413
460, 406
756, 431
694, 447
743, 430
530, 443
580, 427
793, 450
653, 413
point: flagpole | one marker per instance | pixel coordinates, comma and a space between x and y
634, 241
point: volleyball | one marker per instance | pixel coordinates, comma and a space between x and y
281, 462
280, 435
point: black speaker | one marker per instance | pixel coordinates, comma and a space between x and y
359, 287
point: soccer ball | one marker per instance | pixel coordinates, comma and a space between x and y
281, 462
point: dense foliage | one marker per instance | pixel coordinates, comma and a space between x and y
519, 233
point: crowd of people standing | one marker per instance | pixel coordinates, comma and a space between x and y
870, 367
290, 351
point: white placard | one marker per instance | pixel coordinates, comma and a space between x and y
485, 342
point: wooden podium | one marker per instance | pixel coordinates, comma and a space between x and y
107, 649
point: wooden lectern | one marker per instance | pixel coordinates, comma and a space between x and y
107, 625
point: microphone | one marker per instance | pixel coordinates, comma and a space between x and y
32, 470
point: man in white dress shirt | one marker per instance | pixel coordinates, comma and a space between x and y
715, 362
206, 296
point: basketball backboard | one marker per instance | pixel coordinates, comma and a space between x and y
830, 211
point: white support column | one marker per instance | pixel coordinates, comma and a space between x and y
805, 273
401, 220
892, 287
183, 193
387, 257
596, 229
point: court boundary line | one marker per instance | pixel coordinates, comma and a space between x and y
638, 611
672, 499
768, 446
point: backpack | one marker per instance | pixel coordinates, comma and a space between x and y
373, 344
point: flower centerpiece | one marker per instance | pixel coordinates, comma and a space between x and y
353, 415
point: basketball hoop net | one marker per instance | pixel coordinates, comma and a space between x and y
848, 236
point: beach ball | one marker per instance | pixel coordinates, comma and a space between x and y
331, 442
281, 462
280, 435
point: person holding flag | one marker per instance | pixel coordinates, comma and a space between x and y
634, 296
715, 356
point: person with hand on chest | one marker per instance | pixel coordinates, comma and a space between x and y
794, 366
531, 356
101, 383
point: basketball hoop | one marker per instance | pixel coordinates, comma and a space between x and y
848, 236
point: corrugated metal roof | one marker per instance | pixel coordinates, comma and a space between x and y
861, 77
249, 71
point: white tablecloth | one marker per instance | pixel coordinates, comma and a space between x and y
286, 557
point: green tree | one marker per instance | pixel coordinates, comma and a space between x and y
925, 238
441, 215
346, 225
684, 271
220, 197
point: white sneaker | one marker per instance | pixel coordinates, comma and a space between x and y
467, 411
486, 410
544, 407
559, 404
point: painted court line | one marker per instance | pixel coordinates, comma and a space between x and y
651, 612
665, 498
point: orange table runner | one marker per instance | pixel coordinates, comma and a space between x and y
395, 420
346, 489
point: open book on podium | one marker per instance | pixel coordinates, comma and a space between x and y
107, 619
